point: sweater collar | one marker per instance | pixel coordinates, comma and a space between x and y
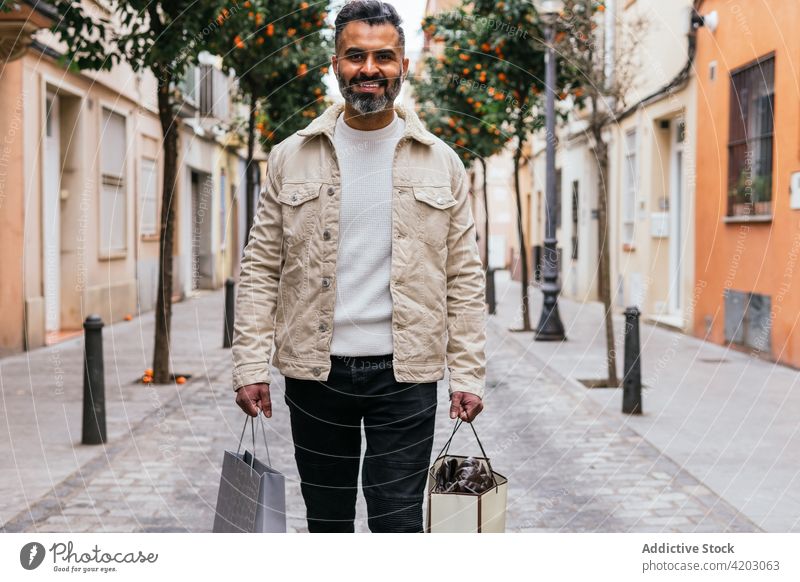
326, 123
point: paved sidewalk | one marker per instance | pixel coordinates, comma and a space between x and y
42, 394
573, 465
727, 418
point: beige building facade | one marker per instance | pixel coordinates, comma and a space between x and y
650, 171
81, 168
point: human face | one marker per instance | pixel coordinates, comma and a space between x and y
369, 66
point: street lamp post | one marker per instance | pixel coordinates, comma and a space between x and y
550, 327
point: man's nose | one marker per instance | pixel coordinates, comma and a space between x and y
370, 66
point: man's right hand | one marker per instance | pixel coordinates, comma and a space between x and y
254, 397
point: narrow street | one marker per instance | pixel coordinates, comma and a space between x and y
574, 462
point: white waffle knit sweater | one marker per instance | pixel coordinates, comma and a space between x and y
362, 317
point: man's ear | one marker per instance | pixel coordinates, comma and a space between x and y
405, 68
334, 65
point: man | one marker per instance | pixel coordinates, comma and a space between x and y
363, 264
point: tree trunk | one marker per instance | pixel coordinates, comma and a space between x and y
250, 181
604, 267
523, 253
161, 351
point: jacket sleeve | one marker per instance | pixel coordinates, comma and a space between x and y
466, 293
257, 296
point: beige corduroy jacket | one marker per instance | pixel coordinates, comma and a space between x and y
287, 284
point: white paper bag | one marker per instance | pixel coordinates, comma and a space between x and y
466, 512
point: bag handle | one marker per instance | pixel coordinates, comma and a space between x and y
253, 431
446, 447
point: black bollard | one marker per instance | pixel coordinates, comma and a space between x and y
230, 305
490, 291
632, 381
94, 383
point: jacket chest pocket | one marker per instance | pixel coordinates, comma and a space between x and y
433, 216
300, 208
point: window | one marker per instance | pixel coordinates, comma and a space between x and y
629, 193
188, 85
113, 201
213, 87
148, 181
750, 139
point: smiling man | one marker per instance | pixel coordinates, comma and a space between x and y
363, 267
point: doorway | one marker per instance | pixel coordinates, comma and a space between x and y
51, 215
202, 256
676, 233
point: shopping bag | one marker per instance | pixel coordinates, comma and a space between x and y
460, 509
252, 495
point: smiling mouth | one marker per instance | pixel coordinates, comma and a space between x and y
369, 85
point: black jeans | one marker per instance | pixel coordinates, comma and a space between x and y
326, 421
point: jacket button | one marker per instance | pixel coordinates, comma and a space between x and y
326, 282
316, 371
322, 327
331, 190
294, 197
440, 201
326, 234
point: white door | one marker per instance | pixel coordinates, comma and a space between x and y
51, 216
676, 233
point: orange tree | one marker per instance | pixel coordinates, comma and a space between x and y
447, 101
500, 48
278, 50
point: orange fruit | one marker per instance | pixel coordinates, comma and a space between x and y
146, 379
148, 372
180, 380
128, 317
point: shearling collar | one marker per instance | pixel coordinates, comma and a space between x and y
326, 122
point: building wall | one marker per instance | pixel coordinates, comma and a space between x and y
641, 272
91, 281
59, 199
579, 276
741, 255
12, 209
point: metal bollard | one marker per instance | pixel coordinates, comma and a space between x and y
490, 291
632, 381
230, 306
94, 383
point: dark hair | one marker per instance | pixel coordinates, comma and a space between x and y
372, 12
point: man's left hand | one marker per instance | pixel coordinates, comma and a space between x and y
465, 406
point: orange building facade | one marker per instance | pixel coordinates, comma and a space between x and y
747, 258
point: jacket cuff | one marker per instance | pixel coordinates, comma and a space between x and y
247, 374
468, 384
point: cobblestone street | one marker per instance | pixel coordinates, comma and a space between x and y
573, 465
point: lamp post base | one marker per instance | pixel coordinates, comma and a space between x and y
550, 328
